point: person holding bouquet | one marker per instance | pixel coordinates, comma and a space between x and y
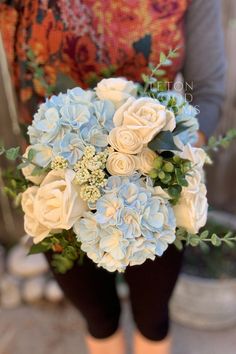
54, 45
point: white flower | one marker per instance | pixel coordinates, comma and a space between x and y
191, 210
125, 140
58, 203
121, 164
59, 163
146, 116
146, 160
90, 193
197, 156
117, 90
53, 206
31, 224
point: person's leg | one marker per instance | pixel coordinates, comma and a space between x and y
151, 286
92, 291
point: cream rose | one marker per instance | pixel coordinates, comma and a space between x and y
57, 202
31, 224
145, 160
117, 90
53, 206
119, 164
191, 210
125, 140
146, 116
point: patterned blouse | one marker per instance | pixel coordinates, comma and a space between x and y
76, 42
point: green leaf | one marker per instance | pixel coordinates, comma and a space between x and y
61, 263
13, 153
71, 253
163, 58
215, 240
180, 178
179, 244
193, 240
173, 54
180, 128
31, 154
163, 141
204, 234
175, 191
159, 72
145, 78
40, 247
37, 171
228, 235
23, 164
229, 243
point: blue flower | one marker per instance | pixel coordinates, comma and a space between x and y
78, 95
45, 127
141, 251
75, 115
104, 112
57, 101
43, 155
108, 209
113, 242
163, 240
71, 148
113, 184
129, 223
152, 218
133, 195
122, 232
87, 229
186, 116
93, 134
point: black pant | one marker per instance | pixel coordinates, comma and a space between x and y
92, 290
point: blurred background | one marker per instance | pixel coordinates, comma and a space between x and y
203, 308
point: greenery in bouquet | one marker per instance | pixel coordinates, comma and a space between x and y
112, 172
212, 262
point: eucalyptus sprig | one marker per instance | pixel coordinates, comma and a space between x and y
14, 181
203, 239
14, 154
157, 71
221, 142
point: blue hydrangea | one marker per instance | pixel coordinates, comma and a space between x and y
133, 222
77, 112
94, 134
187, 116
71, 147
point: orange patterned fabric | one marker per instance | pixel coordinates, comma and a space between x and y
80, 39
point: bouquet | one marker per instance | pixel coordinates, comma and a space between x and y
113, 173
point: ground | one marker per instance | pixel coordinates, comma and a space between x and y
59, 329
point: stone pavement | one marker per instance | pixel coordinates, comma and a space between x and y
54, 329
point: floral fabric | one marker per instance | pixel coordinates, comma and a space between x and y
77, 41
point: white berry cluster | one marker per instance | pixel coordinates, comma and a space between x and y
90, 173
58, 163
